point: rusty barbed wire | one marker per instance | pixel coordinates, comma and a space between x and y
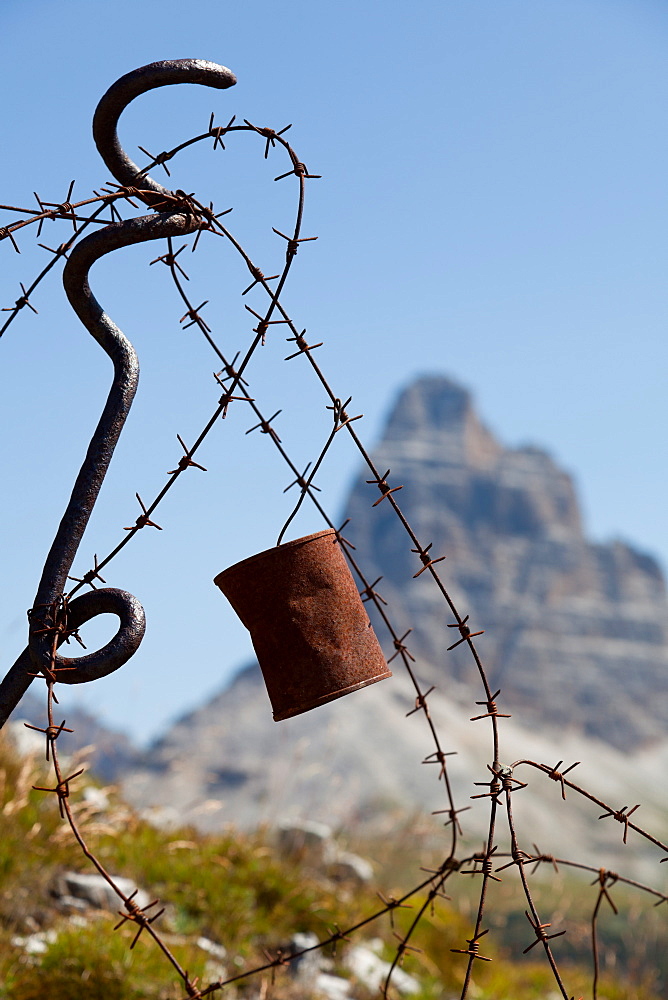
621, 815
307, 489
144, 519
59, 618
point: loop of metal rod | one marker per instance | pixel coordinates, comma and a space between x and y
121, 93
52, 620
92, 666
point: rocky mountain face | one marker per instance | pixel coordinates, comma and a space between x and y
575, 638
575, 633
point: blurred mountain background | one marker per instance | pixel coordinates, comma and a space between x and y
574, 637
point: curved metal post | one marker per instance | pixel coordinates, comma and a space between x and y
51, 620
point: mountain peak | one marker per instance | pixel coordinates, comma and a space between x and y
552, 603
438, 413
430, 401
435, 433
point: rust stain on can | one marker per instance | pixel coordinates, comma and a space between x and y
310, 630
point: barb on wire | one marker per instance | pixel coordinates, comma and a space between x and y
52, 733
258, 277
21, 302
558, 775
426, 560
307, 484
62, 789
269, 134
264, 426
383, 486
90, 576
218, 131
539, 930
186, 460
473, 948
138, 915
465, 633
293, 243
169, 259
489, 703
622, 816
144, 518
371, 594
304, 348
6, 233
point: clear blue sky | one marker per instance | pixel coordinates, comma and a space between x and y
493, 207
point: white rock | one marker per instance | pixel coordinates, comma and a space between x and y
332, 987
346, 866
35, 944
97, 798
214, 969
213, 949
296, 836
28, 742
306, 968
96, 891
372, 971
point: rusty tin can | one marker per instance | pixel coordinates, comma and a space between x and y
310, 630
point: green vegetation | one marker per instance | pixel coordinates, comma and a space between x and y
236, 890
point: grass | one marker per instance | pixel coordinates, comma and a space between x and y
237, 890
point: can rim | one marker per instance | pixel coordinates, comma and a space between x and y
273, 551
281, 714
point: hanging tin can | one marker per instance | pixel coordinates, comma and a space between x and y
310, 630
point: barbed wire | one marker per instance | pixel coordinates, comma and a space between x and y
55, 619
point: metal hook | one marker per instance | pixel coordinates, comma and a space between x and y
47, 628
121, 93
